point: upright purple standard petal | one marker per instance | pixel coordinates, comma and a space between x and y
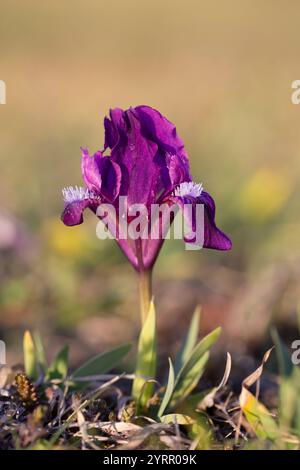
171, 157
101, 175
178, 169
134, 154
158, 129
90, 169
110, 179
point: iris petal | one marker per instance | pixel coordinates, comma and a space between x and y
73, 212
160, 130
90, 170
111, 179
214, 238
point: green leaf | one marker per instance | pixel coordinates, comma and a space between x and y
30, 361
168, 392
258, 416
283, 355
177, 418
189, 380
189, 342
142, 389
192, 370
102, 363
58, 369
289, 381
40, 351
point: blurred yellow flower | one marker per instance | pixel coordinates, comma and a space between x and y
264, 195
64, 243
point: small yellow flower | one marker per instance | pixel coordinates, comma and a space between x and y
264, 195
62, 242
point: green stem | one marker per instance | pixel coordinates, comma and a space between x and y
145, 282
145, 290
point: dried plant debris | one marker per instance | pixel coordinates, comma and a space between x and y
101, 417
26, 391
53, 414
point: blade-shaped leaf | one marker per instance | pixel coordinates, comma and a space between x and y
30, 360
258, 416
102, 363
189, 342
40, 351
289, 390
168, 392
142, 389
283, 355
192, 370
189, 380
58, 368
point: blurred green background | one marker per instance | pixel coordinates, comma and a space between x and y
222, 71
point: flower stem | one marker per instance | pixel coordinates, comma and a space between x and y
145, 290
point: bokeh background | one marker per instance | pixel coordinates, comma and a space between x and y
222, 71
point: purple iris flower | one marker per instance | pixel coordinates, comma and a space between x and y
148, 165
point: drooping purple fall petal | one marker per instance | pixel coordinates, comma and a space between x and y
213, 236
77, 199
191, 194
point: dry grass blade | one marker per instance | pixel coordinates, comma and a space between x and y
245, 395
252, 378
88, 399
139, 438
208, 400
83, 426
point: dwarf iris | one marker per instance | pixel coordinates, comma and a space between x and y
147, 164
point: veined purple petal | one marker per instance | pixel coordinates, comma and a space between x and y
111, 179
73, 212
90, 170
149, 251
135, 155
78, 199
171, 156
115, 128
214, 238
157, 128
151, 155
178, 169
101, 175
